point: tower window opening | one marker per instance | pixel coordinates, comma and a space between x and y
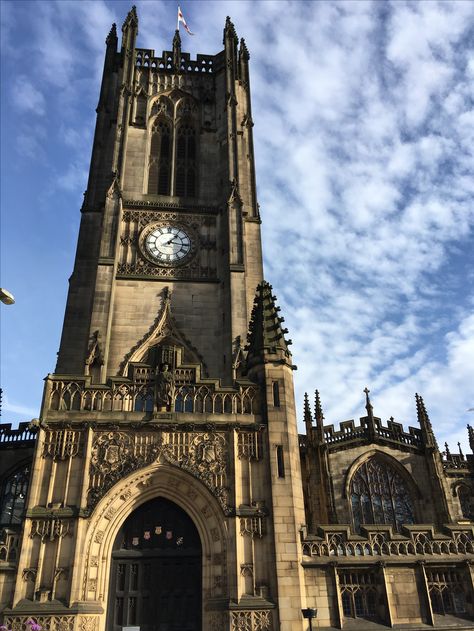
276, 394
185, 161
280, 461
160, 159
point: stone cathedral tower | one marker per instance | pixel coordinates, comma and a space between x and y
166, 490
165, 486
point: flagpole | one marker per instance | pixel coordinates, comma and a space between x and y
177, 25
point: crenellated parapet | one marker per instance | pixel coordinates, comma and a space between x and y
22, 436
204, 64
370, 429
458, 463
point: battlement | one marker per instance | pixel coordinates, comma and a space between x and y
146, 58
392, 432
24, 435
457, 462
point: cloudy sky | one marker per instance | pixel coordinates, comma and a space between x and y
364, 132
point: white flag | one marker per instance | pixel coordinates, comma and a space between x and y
181, 19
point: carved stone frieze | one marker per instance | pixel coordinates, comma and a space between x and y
88, 623
50, 529
252, 526
249, 444
62, 444
47, 623
260, 620
115, 454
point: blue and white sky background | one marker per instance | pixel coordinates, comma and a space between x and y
364, 137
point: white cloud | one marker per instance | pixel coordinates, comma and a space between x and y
26, 97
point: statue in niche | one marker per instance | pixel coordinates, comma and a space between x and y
164, 384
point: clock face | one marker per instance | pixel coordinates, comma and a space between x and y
168, 244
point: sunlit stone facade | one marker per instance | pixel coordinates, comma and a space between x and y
165, 485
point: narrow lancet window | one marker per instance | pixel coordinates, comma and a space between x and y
186, 161
160, 159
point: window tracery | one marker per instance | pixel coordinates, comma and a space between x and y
447, 591
358, 594
379, 495
13, 496
173, 148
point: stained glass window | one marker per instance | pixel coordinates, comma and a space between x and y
379, 495
13, 496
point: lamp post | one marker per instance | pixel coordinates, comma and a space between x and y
309, 613
6, 297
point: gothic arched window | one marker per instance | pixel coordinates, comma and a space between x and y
13, 496
160, 158
186, 161
379, 495
466, 500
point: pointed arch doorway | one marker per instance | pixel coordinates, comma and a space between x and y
156, 573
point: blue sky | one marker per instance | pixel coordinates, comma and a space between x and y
364, 136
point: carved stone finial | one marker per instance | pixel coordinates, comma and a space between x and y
370, 415
244, 51
470, 433
176, 51
448, 453
112, 36
425, 423
318, 410
368, 404
308, 417
229, 30
131, 19
460, 450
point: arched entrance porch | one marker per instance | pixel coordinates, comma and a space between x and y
95, 555
156, 571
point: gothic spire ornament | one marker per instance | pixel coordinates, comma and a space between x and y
266, 337
427, 433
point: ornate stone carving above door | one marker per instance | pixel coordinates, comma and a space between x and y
116, 454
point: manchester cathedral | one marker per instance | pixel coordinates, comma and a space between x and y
165, 486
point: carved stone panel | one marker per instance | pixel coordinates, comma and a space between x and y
116, 454
50, 529
62, 444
